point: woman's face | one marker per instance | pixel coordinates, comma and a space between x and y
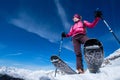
75, 19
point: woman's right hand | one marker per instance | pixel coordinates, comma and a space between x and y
63, 34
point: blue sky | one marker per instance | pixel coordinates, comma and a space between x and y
30, 29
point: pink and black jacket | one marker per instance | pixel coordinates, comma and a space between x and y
80, 27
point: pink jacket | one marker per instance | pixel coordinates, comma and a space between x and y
80, 27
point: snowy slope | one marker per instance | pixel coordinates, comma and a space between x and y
108, 72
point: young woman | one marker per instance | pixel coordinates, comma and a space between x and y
78, 33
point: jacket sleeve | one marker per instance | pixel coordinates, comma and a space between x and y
70, 33
91, 25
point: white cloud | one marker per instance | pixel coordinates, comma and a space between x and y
28, 23
17, 54
12, 54
66, 24
68, 45
62, 15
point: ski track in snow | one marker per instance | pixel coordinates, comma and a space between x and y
108, 72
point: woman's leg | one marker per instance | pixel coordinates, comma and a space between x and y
83, 39
77, 45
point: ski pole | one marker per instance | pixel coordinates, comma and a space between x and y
60, 48
110, 30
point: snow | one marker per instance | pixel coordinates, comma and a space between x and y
117, 52
107, 72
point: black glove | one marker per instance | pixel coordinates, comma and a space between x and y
63, 34
98, 14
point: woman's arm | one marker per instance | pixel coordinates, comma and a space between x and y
91, 25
